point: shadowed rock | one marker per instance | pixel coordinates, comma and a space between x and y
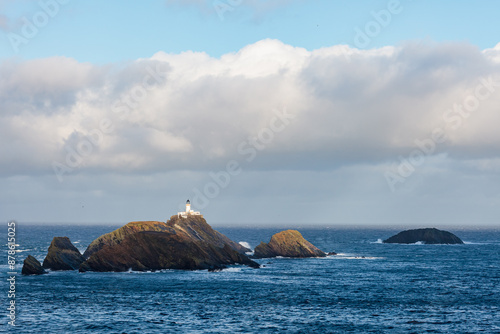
289, 243
181, 243
425, 235
32, 266
62, 255
194, 227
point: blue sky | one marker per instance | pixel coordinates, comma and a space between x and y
282, 112
113, 31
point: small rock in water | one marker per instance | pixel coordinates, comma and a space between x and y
32, 266
62, 255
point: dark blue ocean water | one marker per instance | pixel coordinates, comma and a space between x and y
369, 288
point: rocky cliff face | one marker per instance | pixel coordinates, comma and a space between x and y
194, 227
197, 228
425, 235
181, 243
162, 250
32, 266
289, 243
115, 237
62, 255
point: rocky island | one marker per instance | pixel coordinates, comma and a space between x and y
424, 235
180, 243
289, 243
186, 241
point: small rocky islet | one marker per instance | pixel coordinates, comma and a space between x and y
32, 266
289, 243
62, 255
431, 236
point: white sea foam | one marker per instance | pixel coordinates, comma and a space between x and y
347, 256
361, 257
232, 270
245, 244
476, 243
23, 250
379, 241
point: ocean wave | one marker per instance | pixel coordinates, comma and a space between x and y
346, 256
245, 244
232, 270
418, 243
379, 241
23, 250
477, 243
130, 271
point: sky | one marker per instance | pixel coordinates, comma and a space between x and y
262, 113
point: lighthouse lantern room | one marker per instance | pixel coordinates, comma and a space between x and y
188, 211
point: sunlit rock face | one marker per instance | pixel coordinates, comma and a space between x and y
289, 243
180, 243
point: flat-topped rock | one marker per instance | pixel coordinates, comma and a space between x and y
424, 235
289, 243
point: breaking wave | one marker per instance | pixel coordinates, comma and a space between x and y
245, 244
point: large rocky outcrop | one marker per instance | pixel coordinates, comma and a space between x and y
194, 227
425, 235
162, 250
289, 243
181, 243
32, 266
62, 255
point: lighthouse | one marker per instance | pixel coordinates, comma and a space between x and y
188, 211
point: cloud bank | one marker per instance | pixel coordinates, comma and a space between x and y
313, 134
190, 111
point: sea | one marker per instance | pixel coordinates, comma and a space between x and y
369, 287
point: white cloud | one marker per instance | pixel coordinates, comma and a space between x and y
493, 53
350, 106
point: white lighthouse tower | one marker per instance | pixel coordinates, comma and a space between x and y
188, 211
